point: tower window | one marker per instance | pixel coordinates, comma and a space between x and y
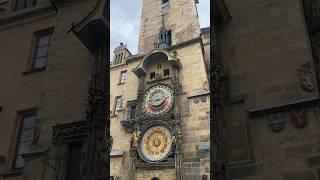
165, 5
165, 37
166, 72
123, 76
152, 75
159, 66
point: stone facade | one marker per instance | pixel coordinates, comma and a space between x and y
271, 120
58, 92
187, 60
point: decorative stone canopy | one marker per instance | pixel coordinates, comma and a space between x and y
156, 54
92, 30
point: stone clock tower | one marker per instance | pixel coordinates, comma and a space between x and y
160, 97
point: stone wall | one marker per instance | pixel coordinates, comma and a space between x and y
59, 92
263, 47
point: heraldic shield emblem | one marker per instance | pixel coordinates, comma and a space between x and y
306, 78
299, 118
276, 122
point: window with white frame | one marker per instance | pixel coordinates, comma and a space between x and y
123, 76
118, 104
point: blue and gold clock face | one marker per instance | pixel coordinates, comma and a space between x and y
158, 100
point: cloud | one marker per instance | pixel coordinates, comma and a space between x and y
125, 22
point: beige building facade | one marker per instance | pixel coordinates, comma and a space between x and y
47, 59
159, 98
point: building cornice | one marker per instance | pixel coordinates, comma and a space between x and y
28, 13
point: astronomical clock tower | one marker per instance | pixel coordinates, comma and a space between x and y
159, 99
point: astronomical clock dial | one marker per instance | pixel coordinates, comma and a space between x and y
158, 100
155, 144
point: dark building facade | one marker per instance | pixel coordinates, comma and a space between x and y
265, 79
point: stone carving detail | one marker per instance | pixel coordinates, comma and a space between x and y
67, 130
298, 118
135, 139
276, 122
196, 100
128, 125
306, 77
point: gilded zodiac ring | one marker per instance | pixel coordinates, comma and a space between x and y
155, 144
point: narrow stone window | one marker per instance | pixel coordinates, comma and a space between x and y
164, 38
165, 5
133, 112
41, 50
121, 56
118, 104
123, 75
115, 59
152, 75
166, 72
159, 66
25, 138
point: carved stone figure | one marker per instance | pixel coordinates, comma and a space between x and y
135, 139
276, 122
298, 118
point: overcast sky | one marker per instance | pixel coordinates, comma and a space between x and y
125, 22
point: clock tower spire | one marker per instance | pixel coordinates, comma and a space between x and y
180, 18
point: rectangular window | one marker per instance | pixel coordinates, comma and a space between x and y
123, 75
118, 104
40, 53
166, 72
74, 160
169, 38
165, 5
152, 75
25, 138
133, 112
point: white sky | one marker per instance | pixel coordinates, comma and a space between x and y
125, 22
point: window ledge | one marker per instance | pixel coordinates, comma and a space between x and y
14, 173
34, 71
120, 83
